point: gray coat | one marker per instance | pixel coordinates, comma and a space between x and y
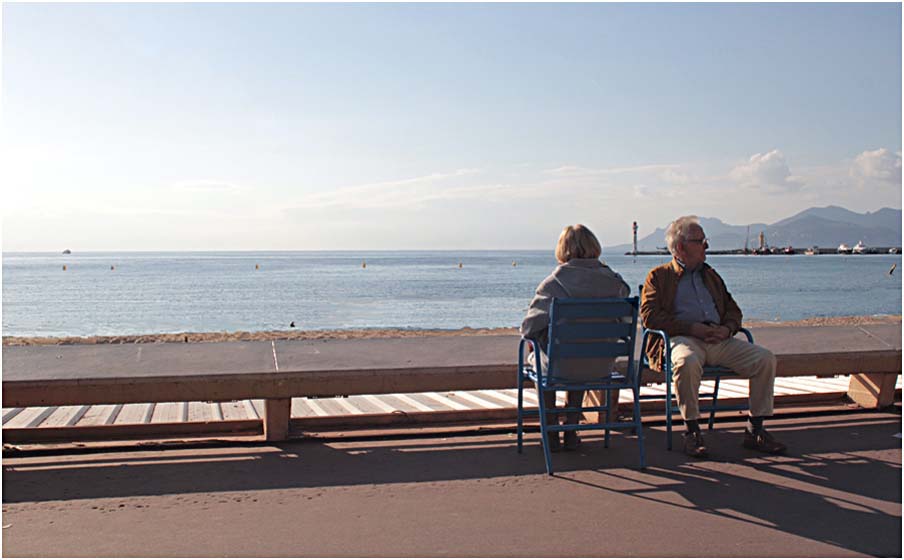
578, 278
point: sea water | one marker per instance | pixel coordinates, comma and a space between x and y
145, 293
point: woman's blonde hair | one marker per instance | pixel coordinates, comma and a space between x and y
577, 242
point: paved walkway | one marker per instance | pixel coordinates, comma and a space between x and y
837, 493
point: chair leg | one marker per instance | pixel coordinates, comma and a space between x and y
668, 410
638, 427
520, 429
712, 413
543, 431
608, 417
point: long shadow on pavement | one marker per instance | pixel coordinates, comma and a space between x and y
840, 483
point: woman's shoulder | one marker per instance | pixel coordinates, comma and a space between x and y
552, 284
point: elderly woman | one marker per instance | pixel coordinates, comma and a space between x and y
580, 274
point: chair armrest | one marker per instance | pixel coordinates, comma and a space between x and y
747, 334
521, 346
667, 359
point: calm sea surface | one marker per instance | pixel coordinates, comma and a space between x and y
203, 292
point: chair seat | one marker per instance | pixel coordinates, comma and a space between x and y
614, 381
715, 373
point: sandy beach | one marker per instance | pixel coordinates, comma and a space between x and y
377, 333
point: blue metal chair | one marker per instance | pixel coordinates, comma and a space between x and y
583, 328
715, 373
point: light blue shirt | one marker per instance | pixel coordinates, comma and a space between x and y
693, 302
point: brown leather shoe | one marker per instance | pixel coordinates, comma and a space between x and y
763, 442
694, 445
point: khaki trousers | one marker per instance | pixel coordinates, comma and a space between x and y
690, 354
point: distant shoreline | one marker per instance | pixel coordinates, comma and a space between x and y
351, 334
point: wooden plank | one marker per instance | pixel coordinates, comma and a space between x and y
114, 414
133, 414
445, 401
25, 417
415, 404
378, 403
315, 407
201, 412
63, 416
39, 419
253, 409
477, 401
79, 414
347, 406
95, 415
12, 413
235, 410
167, 413
300, 408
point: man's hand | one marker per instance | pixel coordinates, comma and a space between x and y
711, 334
701, 331
722, 332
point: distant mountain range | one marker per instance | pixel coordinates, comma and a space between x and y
825, 227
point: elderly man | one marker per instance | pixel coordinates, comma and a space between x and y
688, 300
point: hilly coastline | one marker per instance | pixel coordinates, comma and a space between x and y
827, 227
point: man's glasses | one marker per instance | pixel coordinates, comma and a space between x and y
704, 241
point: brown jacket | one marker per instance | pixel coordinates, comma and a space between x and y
657, 306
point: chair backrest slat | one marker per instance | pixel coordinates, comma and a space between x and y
586, 330
592, 350
573, 308
591, 328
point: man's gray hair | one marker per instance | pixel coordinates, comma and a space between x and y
678, 230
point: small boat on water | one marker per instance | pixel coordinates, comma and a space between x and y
859, 248
893, 251
789, 250
844, 249
814, 250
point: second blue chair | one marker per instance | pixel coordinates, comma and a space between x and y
715, 373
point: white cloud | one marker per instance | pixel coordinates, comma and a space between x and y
767, 171
396, 194
206, 185
878, 165
577, 171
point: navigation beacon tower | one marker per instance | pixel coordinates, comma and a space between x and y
634, 227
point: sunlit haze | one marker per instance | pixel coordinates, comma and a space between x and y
436, 126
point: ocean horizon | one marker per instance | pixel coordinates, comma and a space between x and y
156, 292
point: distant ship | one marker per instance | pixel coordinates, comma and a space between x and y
844, 249
814, 250
859, 248
67, 252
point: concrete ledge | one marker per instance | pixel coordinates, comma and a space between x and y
276, 372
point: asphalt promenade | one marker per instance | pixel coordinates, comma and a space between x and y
836, 493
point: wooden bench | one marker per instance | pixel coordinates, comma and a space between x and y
278, 371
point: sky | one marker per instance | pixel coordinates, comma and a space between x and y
139, 127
